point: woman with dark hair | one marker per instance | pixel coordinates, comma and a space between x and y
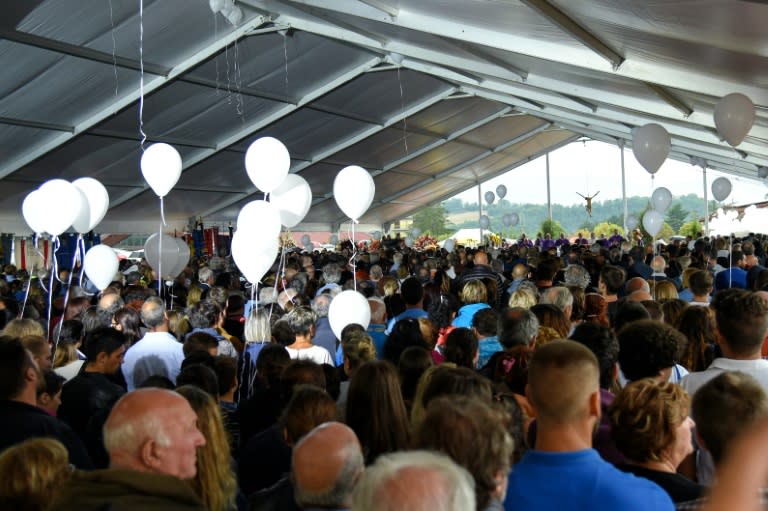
376, 411
461, 348
551, 316
414, 361
128, 321
697, 324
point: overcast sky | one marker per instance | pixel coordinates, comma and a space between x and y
596, 166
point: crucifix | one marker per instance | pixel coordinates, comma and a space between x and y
587, 198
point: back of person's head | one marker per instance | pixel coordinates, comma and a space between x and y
518, 327
456, 381
654, 309
102, 341
301, 320
32, 474
282, 333
411, 291
301, 372
645, 417
17, 368
742, 320
200, 376
474, 291
411, 366
308, 407
257, 328
551, 316
351, 329
358, 348
271, 362
558, 296
204, 314
613, 278
547, 269
562, 376
474, 435
461, 347
485, 322
153, 312
225, 368
724, 408
600, 341
321, 304
629, 312
22, 327
200, 341
414, 481
406, 332
647, 347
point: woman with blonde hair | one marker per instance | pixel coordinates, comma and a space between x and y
523, 298
32, 473
474, 296
663, 290
215, 481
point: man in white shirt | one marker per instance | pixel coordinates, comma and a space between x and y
742, 323
157, 353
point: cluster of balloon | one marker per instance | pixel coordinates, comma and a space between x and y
653, 219
721, 188
661, 199
651, 144
166, 255
80, 204
734, 117
510, 219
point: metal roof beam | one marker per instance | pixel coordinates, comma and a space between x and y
26, 123
342, 145
249, 129
115, 105
383, 7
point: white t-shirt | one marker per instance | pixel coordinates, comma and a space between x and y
316, 354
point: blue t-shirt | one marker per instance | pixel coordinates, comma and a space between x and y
409, 313
579, 480
487, 348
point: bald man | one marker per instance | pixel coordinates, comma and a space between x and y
327, 463
564, 390
152, 438
481, 270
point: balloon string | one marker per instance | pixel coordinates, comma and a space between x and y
281, 274
81, 247
162, 211
66, 293
141, 78
730, 261
54, 271
160, 256
352, 260
26, 297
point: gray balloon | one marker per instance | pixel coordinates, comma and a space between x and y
514, 219
489, 197
501, 191
506, 220
484, 222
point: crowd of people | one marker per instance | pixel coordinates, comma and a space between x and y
588, 375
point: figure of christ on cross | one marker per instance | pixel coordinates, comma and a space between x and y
587, 198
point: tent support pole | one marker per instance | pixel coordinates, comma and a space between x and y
549, 192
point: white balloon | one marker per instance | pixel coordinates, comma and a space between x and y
415, 232
652, 222
267, 163
651, 144
408, 241
161, 168
181, 260
353, 190
260, 218
449, 244
661, 198
306, 240
734, 117
162, 254
62, 204
292, 199
334, 239
83, 218
489, 197
484, 221
34, 211
721, 188
100, 265
98, 200
514, 219
254, 257
501, 191
632, 222
346, 308
376, 235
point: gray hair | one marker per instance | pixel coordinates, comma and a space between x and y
577, 275
390, 485
257, 328
343, 487
300, 319
321, 304
153, 312
299, 282
519, 330
204, 274
331, 273
268, 295
558, 296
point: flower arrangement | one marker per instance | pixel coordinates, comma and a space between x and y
424, 242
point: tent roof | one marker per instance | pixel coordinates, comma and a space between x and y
431, 96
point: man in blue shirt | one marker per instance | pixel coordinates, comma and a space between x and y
735, 276
563, 471
413, 296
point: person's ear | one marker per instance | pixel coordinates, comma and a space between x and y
101, 358
43, 399
149, 454
595, 410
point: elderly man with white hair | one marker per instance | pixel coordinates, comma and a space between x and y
561, 298
414, 481
324, 336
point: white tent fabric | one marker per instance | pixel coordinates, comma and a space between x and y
430, 96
